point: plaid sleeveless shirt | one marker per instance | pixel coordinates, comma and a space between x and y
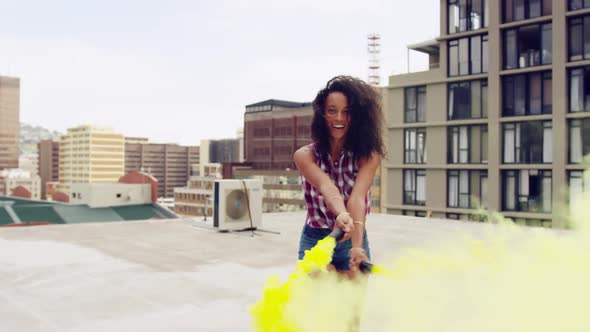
343, 173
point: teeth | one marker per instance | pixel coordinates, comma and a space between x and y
338, 126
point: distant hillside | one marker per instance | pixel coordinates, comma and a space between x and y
31, 135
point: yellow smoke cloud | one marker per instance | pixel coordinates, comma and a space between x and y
511, 279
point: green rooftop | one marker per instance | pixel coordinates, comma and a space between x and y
34, 211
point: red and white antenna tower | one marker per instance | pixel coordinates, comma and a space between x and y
374, 49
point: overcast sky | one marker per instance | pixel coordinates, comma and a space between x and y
183, 70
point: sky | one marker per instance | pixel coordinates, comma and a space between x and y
179, 71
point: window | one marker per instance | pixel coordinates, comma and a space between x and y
464, 188
466, 15
415, 104
579, 38
375, 202
533, 222
578, 4
527, 94
415, 187
516, 10
454, 216
579, 89
414, 146
579, 139
578, 183
527, 142
527, 46
468, 100
467, 144
526, 190
414, 213
468, 56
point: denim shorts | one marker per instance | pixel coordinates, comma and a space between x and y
310, 236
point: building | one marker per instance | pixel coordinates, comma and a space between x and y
282, 189
273, 130
9, 121
240, 136
132, 197
20, 183
29, 162
48, 152
507, 94
27, 212
136, 140
220, 151
135, 188
196, 199
170, 164
90, 154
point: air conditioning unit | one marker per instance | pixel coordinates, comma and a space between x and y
235, 202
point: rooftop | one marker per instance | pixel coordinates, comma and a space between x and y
19, 211
165, 275
429, 47
257, 107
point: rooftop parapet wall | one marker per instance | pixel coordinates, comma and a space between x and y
417, 78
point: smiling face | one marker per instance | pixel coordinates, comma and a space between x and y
337, 115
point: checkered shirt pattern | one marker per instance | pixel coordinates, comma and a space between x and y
343, 173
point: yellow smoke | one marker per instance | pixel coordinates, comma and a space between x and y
510, 279
277, 310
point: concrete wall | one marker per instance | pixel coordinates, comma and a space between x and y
110, 194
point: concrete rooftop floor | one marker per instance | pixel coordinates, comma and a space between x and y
172, 275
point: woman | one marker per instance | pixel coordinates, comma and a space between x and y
339, 166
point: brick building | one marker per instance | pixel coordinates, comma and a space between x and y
273, 130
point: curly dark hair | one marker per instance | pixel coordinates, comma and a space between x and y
364, 136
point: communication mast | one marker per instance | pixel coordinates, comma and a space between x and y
374, 49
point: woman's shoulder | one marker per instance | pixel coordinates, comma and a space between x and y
311, 148
305, 152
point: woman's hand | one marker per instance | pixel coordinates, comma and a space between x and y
357, 256
345, 223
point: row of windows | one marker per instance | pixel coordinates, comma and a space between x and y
261, 151
524, 190
467, 144
202, 198
523, 46
527, 94
468, 100
281, 131
261, 132
469, 15
578, 4
527, 46
527, 142
192, 210
468, 56
467, 189
516, 10
522, 94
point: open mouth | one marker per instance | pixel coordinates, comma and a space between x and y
338, 126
